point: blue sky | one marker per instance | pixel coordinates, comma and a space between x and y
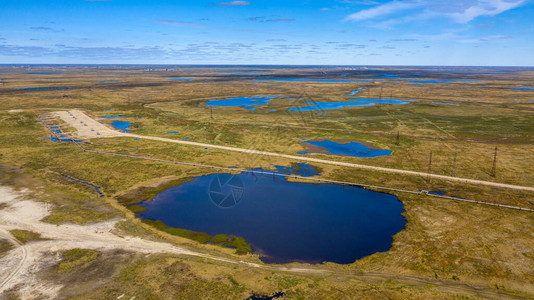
338, 32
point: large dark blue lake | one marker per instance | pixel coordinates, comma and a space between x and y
283, 221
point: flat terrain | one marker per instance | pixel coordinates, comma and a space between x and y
74, 244
87, 128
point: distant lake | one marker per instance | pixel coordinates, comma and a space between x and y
382, 101
469, 72
310, 80
354, 102
181, 79
349, 148
245, 102
283, 221
112, 117
445, 80
327, 105
42, 88
44, 73
248, 72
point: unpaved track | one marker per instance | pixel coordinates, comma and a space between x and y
6, 235
26, 215
79, 120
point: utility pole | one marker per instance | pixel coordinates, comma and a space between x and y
380, 93
211, 112
429, 168
398, 138
454, 162
494, 169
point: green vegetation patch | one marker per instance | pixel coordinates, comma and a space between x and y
76, 258
148, 193
25, 236
5, 247
238, 243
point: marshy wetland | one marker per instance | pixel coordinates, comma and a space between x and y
400, 244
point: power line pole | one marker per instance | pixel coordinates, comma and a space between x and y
429, 168
454, 162
211, 112
398, 138
494, 169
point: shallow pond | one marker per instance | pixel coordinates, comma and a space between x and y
309, 80
350, 148
523, 89
245, 102
354, 92
122, 125
283, 221
446, 80
42, 88
382, 101
112, 117
327, 105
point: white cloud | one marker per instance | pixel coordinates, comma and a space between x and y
461, 12
382, 10
234, 3
486, 39
485, 8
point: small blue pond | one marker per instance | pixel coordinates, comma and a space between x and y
112, 117
107, 81
245, 102
122, 125
283, 221
445, 103
43, 88
299, 169
342, 148
327, 105
382, 101
63, 138
181, 79
44, 73
248, 72
469, 72
354, 92
523, 89
446, 80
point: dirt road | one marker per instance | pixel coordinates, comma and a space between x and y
88, 128
20, 266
